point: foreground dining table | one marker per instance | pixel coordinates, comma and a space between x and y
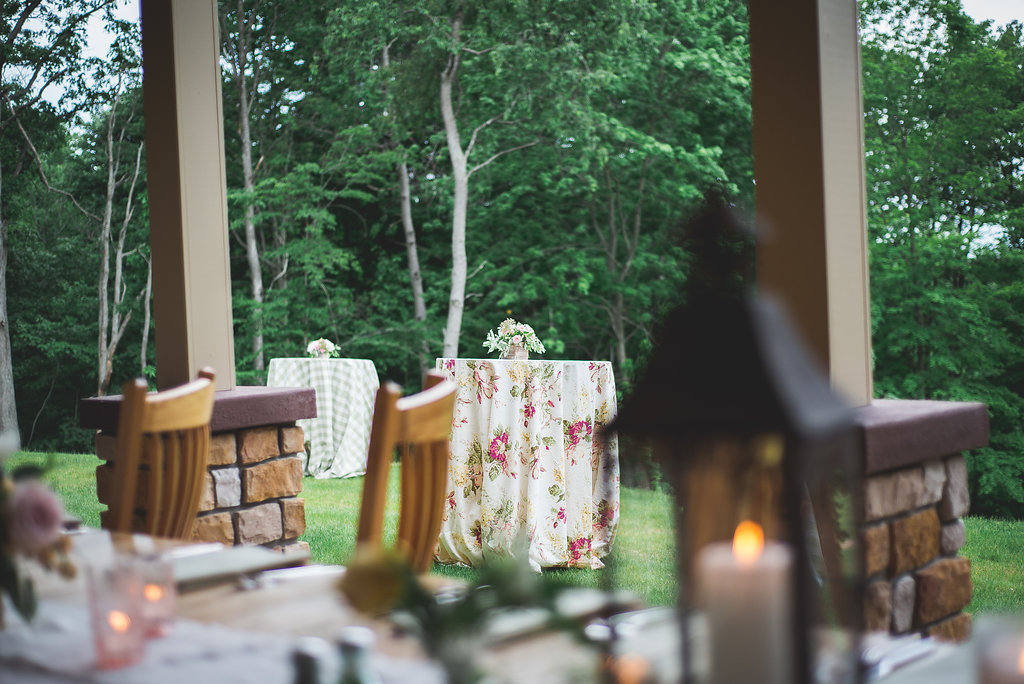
345, 391
529, 464
242, 612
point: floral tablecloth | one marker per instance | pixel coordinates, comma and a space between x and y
527, 463
345, 391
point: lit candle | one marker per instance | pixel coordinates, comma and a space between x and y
114, 598
1002, 661
744, 590
159, 595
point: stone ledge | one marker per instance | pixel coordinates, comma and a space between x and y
899, 433
232, 409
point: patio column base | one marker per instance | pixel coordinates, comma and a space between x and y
255, 470
915, 496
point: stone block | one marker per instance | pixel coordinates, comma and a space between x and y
106, 446
229, 487
956, 628
258, 444
293, 440
105, 485
223, 449
209, 500
293, 513
891, 494
904, 593
272, 479
915, 541
874, 541
934, 474
952, 537
943, 589
292, 547
956, 501
878, 606
260, 524
215, 527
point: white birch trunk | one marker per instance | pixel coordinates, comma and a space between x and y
460, 174
8, 409
252, 254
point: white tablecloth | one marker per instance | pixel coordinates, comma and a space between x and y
526, 467
345, 392
57, 648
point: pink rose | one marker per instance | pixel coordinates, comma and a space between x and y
35, 517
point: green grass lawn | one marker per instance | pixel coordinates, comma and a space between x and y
643, 561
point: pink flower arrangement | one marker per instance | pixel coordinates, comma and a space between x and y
34, 517
30, 526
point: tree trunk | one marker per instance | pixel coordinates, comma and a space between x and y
104, 364
252, 254
147, 307
8, 409
419, 306
456, 297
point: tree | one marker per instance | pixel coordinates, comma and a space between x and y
943, 108
41, 50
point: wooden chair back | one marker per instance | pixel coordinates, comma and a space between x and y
169, 433
419, 426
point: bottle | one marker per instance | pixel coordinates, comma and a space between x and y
355, 644
308, 660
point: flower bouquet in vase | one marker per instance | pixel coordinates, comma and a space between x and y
514, 340
322, 349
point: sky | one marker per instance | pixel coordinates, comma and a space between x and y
999, 11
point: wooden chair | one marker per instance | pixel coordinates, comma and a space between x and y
420, 426
169, 432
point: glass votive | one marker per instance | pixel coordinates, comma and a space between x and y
159, 593
115, 614
999, 644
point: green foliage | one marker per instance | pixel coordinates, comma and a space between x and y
943, 107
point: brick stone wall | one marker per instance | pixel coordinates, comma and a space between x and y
911, 536
252, 486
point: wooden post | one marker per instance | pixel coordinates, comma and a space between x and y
809, 170
187, 191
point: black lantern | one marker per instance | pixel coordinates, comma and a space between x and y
752, 438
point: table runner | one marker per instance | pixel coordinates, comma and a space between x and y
345, 392
56, 648
527, 465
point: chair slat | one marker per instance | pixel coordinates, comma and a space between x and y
421, 425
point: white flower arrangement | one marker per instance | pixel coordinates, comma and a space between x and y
322, 349
512, 334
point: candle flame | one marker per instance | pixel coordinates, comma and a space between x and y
119, 621
153, 592
748, 542
1020, 662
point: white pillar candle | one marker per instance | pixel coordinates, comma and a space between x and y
745, 595
1002, 661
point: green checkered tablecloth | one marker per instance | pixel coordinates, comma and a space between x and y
345, 390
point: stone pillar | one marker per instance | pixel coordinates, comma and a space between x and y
254, 477
911, 532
